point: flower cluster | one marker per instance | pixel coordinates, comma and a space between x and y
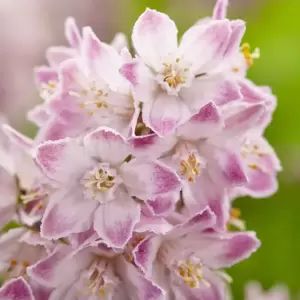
126, 191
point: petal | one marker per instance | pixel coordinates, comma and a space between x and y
203, 46
102, 58
238, 29
262, 184
154, 37
72, 33
55, 129
228, 91
44, 75
8, 197
16, 289
107, 145
220, 10
45, 272
157, 225
115, 220
38, 115
206, 123
60, 268
164, 204
151, 145
202, 91
68, 212
57, 55
252, 93
145, 254
40, 292
136, 285
245, 119
224, 250
18, 138
229, 168
205, 192
148, 179
119, 42
201, 221
164, 113
63, 160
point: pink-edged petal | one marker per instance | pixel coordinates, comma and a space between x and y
39, 115
16, 289
55, 129
45, 75
204, 46
229, 168
201, 92
164, 204
147, 179
238, 29
252, 93
59, 268
246, 118
206, 123
71, 76
119, 42
63, 160
107, 145
8, 196
115, 220
68, 212
164, 113
146, 252
136, 73
151, 145
154, 37
205, 192
40, 292
136, 284
201, 221
262, 184
18, 138
224, 250
56, 55
102, 58
44, 271
72, 33
220, 10
227, 92
157, 225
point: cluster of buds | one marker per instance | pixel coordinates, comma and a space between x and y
127, 190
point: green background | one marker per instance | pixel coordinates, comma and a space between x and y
274, 27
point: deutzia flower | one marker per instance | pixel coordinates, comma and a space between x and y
98, 186
173, 82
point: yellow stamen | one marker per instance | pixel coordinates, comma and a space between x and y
190, 168
249, 57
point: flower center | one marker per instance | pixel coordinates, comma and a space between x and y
100, 181
96, 97
252, 152
48, 89
16, 268
173, 74
191, 273
190, 168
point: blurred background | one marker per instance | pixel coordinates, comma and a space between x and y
28, 27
